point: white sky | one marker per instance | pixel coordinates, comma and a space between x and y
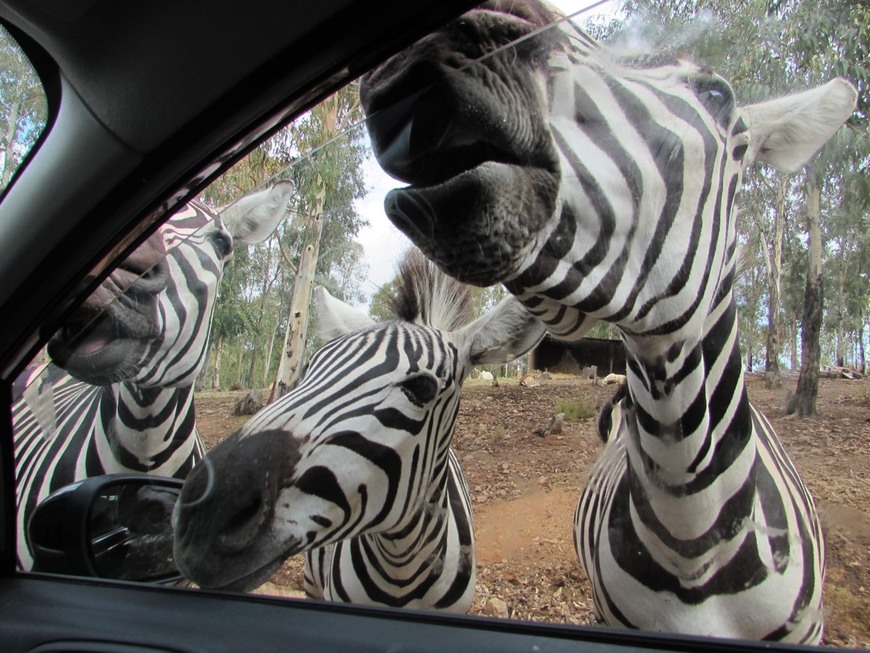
384, 243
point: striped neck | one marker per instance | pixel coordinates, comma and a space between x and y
421, 538
689, 427
427, 505
146, 429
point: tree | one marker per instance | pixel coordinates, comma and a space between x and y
23, 108
379, 308
305, 153
825, 39
328, 181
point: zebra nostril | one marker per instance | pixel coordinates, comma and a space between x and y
154, 279
243, 527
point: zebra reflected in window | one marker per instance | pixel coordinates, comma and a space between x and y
118, 394
354, 466
598, 185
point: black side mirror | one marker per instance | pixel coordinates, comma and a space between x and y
117, 526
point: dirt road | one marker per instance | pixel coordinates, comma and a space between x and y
524, 489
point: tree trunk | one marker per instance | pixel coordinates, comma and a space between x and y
268, 362
216, 370
862, 360
240, 377
794, 343
811, 326
841, 315
293, 351
199, 386
772, 373
264, 292
9, 140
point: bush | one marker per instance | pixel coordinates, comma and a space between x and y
574, 409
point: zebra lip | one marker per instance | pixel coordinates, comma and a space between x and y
429, 153
455, 157
85, 340
259, 576
453, 202
96, 357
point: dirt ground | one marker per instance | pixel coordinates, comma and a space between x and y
524, 489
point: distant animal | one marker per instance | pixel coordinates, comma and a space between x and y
600, 185
613, 378
354, 467
486, 376
118, 396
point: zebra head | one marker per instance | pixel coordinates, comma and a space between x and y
575, 174
359, 447
160, 300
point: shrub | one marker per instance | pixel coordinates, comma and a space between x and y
574, 409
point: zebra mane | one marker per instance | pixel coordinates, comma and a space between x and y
425, 295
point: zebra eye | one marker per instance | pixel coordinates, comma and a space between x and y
420, 389
222, 243
715, 94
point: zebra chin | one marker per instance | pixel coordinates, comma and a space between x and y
243, 579
478, 226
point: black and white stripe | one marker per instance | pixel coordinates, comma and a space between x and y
137, 346
354, 466
601, 186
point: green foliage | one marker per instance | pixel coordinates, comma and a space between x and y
23, 107
257, 290
379, 308
576, 409
605, 331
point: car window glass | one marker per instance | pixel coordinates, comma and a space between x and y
23, 107
526, 435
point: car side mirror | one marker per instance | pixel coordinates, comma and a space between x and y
117, 526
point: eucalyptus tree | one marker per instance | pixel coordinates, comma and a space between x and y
826, 39
23, 108
328, 179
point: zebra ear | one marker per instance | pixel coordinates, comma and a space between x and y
787, 131
335, 317
505, 333
253, 218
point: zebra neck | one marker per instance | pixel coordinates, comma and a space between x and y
143, 427
426, 511
688, 419
421, 533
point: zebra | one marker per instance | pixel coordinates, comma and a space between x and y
598, 184
118, 394
354, 466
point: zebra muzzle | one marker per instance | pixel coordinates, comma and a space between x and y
228, 501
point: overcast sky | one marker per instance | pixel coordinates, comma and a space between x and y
383, 243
